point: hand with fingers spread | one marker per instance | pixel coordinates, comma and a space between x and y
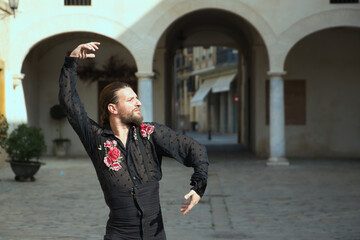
194, 199
81, 50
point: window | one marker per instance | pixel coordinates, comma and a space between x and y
191, 84
77, 2
190, 65
344, 1
177, 62
226, 55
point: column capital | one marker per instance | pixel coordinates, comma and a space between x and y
17, 78
141, 75
276, 73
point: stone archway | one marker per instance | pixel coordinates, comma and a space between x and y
306, 26
39, 31
236, 32
42, 67
329, 68
172, 11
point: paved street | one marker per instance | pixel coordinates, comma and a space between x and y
310, 199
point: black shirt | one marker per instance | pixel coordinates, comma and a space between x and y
141, 159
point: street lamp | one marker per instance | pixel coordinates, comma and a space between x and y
13, 4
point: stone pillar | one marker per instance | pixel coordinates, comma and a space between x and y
16, 112
145, 94
277, 120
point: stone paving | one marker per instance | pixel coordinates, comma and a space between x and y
310, 199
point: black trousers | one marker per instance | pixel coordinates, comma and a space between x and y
135, 215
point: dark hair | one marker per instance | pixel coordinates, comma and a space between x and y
107, 96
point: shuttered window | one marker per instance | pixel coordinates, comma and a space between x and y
344, 1
77, 2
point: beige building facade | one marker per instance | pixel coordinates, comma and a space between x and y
299, 64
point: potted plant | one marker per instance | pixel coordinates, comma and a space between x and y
61, 145
24, 146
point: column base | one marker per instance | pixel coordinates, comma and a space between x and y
277, 161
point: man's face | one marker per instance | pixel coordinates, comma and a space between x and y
129, 106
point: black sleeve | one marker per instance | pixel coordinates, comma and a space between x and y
70, 102
186, 151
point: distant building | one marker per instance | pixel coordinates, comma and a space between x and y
207, 89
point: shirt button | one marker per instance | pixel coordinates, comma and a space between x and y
134, 178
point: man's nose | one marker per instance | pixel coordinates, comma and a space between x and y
138, 103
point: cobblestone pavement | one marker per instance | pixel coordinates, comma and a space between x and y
310, 199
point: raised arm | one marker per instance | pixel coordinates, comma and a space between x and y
69, 98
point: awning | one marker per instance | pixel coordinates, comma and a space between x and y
219, 84
201, 93
222, 83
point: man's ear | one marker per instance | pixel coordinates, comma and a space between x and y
112, 108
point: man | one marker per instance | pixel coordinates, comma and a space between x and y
127, 153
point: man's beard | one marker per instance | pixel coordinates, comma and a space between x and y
133, 118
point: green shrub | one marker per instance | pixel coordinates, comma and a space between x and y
3, 130
25, 143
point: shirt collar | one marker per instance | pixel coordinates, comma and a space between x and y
108, 130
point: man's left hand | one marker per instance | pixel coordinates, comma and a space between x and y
194, 199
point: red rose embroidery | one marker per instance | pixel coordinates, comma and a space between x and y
116, 166
113, 156
146, 130
107, 161
150, 129
143, 132
107, 143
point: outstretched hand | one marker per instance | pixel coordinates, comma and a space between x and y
194, 199
81, 50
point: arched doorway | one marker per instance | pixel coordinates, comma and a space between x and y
327, 66
218, 30
42, 68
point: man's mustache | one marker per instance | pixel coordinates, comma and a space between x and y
137, 108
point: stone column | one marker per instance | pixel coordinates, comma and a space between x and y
277, 120
145, 94
16, 105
